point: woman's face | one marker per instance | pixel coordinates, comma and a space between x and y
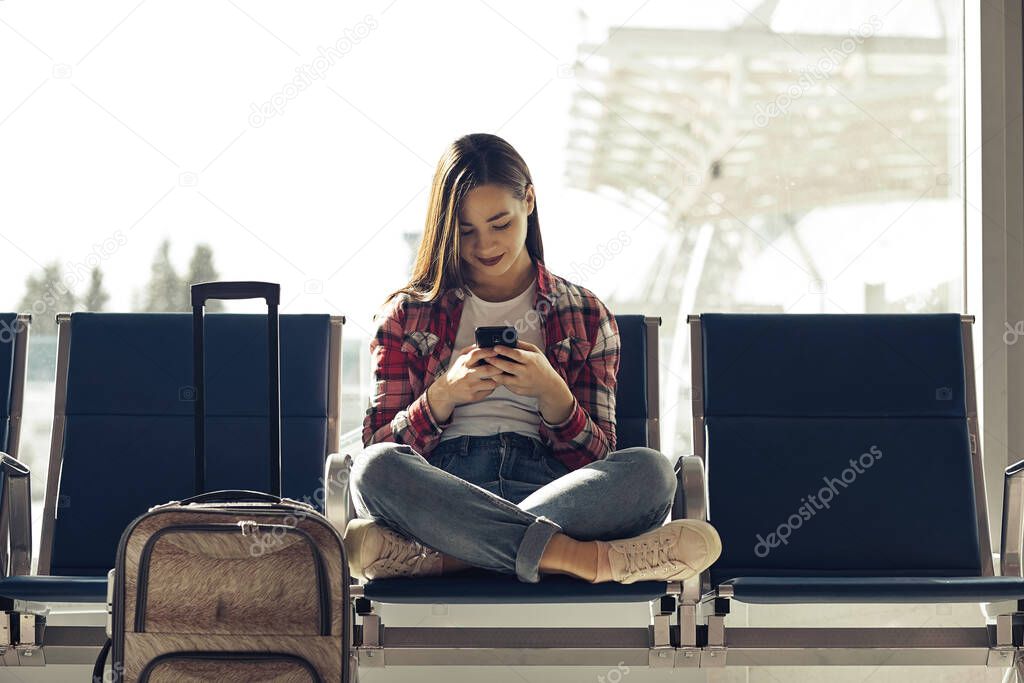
492, 231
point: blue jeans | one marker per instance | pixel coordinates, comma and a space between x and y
496, 501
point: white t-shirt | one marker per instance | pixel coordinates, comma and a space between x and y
503, 410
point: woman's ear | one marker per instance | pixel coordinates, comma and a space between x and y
530, 199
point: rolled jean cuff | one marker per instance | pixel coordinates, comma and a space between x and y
535, 540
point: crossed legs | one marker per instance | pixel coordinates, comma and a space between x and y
559, 528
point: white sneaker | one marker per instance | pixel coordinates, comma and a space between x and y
674, 552
377, 552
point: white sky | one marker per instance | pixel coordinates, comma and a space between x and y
104, 107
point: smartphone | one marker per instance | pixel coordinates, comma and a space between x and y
487, 337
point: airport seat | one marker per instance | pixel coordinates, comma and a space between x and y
843, 464
636, 425
123, 429
15, 511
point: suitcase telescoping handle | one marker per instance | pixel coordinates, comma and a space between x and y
271, 293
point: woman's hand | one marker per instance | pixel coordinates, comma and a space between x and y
527, 372
467, 381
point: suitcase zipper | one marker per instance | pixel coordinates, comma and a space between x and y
246, 527
233, 656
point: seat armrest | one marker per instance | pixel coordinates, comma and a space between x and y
15, 516
691, 489
338, 506
690, 502
110, 602
1010, 548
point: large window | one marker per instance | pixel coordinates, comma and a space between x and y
752, 156
784, 157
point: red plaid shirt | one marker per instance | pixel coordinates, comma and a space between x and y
415, 341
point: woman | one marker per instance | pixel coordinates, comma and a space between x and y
504, 458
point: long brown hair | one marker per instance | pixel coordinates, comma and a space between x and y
472, 160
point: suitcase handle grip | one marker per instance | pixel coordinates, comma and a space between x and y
246, 289
233, 496
269, 291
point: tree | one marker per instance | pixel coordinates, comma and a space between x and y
165, 291
96, 297
168, 291
46, 295
201, 269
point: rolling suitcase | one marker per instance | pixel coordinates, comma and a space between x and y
230, 585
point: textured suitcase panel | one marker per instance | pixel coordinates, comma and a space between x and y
265, 546
235, 586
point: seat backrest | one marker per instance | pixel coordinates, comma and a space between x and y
840, 445
7, 322
125, 430
636, 392
13, 355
